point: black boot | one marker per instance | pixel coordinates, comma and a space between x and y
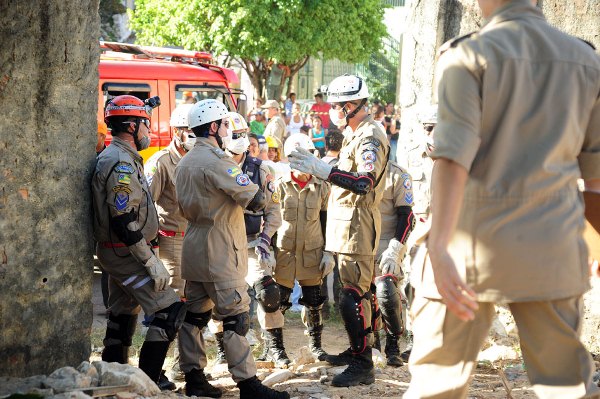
314, 342
197, 385
221, 359
406, 355
376, 341
342, 359
152, 357
275, 349
119, 333
360, 371
252, 388
392, 351
164, 384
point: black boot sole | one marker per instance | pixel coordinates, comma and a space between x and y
368, 380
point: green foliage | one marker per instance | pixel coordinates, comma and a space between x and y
266, 32
381, 74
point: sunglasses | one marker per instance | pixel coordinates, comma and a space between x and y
236, 136
146, 122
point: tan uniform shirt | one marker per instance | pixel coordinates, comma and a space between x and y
397, 192
160, 173
420, 166
119, 186
276, 128
354, 221
300, 235
520, 110
212, 197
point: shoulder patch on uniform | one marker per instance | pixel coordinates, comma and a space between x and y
276, 198
369, 166
125, 189
234, 171
370, 141
369, 156
242, 180
124, 167
404, 175
409, 198
588, 43
407, 184
271, 186
453, 42
121, 200
124, 178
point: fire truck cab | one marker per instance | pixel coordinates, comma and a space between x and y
176, 76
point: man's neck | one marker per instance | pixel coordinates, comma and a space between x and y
357, 120
333, 154
128, 138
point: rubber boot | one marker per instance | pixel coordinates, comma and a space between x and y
221, 359
359, 372
392, 351
314, 342
117, 341
116, 353
196, 384
252, 388
152, 357
275, 349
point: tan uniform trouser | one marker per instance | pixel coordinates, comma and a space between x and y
445, 349
356, 271
225, 302
130, 286
267, 321
170, 254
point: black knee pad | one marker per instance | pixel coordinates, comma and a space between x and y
311, 297
121, 328
170, 319
353, 314
285, 294
240, 323
199, 320
376, 323
390, 303
267, 294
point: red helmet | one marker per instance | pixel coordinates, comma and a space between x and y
126, 106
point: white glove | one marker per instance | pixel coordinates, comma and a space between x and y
327, 263
390, 260
263, 251
303, 161
158, 272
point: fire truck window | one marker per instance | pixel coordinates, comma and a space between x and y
112, 90
186, 95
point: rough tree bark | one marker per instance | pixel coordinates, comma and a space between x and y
48, 99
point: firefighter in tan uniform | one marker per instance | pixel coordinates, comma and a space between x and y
214, 261
260, 227
353, 220
276, 126
125, 221
518, 124
397, 222
160, 173
301, 242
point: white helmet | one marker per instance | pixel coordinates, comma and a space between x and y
347, 88
207, 111
295, 141
236, 122
179, 116
429, 114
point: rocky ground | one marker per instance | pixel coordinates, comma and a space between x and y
500, 372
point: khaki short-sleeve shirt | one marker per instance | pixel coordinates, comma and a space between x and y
519, 109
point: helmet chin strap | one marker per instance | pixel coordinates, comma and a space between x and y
217, 137
353, 113
135, 133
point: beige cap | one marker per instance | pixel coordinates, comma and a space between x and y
271, 104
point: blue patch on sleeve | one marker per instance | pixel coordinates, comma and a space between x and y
121, 200
407, 184
124, 167
243, 179
408, 197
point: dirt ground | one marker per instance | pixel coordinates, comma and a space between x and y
491, 380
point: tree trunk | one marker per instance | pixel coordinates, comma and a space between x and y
48, 98
258, 71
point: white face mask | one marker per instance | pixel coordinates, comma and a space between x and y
190, 141
238, 146
335, 118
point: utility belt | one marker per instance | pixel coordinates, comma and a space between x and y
108, 244
167, 233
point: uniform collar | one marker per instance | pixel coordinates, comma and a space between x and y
124, 145
174, 153
367, 120
516, 9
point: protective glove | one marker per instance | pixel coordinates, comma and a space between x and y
390, 260
327, 263
263, 251
303, 161
158, 272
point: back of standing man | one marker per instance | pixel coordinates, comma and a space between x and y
518, 124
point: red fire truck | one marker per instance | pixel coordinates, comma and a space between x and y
177, 76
